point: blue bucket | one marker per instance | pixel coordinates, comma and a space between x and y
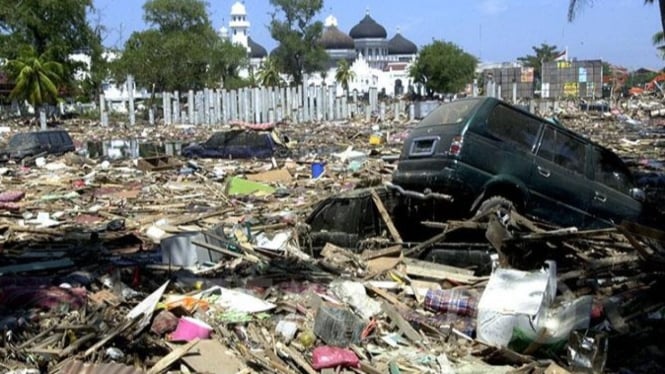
317, 169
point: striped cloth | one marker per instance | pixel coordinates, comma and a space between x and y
459, 302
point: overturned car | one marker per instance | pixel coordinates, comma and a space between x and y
240, 144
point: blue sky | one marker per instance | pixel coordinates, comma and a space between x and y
618, 31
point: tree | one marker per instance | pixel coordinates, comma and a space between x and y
180, 51
443, 67
344, 74
36, 78
543, 53
573, 6
268, 75
55, 29
293, 26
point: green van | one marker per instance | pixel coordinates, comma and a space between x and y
485, 152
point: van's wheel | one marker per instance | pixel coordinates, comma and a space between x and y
501, 203
282, 153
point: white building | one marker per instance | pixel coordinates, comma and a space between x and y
375, 60
238, 32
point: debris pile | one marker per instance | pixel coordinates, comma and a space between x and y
164, 264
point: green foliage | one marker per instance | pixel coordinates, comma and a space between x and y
55, 29
344, 74
36, 78
543, 53
176, 15
443, 67
293, 26
268, 75
182, 51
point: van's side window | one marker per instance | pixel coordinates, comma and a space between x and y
610, 171
563, 149
513, 126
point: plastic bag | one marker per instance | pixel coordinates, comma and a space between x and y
331, 357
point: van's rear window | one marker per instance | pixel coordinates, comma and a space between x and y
451, 113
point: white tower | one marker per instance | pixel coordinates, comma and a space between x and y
239, 25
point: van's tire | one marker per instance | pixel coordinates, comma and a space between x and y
493, 203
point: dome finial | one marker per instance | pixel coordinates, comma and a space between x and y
367, 11
398, 29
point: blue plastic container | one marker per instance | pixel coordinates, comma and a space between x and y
317, 169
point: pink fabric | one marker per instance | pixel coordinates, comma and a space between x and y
330, 357
11, 196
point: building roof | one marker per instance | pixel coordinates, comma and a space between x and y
334, 38
368, 28
238, 9
399, 45
256, 50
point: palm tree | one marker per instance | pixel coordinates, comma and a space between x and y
658, 40
36, 78
268, 75
574, 4
344, 74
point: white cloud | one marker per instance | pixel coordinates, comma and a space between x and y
493, 7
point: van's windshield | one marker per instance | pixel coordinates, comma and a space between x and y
451, 113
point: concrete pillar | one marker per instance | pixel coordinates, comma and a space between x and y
233, 105
271, 115
498, 91
151, 116
368, 113
514, 93
246, 105
311, 112
396, 111
105, 119
282, 112
331, 103
190, 106
345, 108
474, 90
176, 107
130, 94
42, 119
102, 104
256, 101
382, 112
412, 112
166, 104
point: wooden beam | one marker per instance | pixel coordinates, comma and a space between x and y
386, 217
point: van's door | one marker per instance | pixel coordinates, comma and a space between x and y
502, 145
611, 199
559, 189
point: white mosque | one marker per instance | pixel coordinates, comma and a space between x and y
375, 60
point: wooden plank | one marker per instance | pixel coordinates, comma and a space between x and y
403, 325
172, 357
434, 270
225, 251
422, 246
213, 357
386, 217
387, 296
297, 358
115, 332
369, 254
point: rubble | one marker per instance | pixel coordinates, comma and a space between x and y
156, 263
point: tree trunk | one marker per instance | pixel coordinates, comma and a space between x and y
661, 5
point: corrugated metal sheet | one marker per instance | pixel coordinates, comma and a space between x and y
80, 367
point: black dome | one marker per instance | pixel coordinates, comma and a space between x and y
368, 28
400, 45
333, 38
255, 49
